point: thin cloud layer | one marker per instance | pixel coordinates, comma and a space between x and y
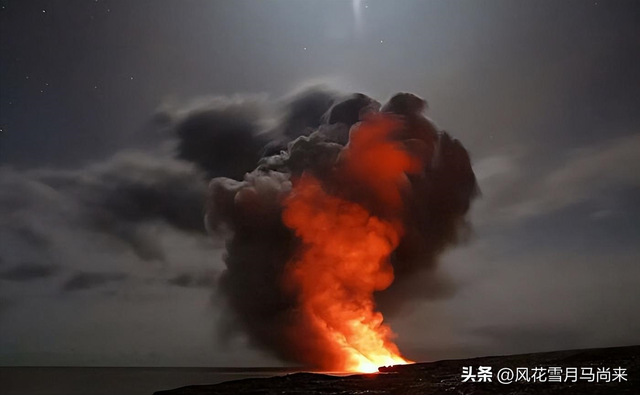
597, 175
83, 280
28, 271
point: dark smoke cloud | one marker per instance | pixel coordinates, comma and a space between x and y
28, 271
85, 280
194, 280
261, 245
224, 139
350, 110
135, 212
132, 189
300, 114
227, 136
303, 111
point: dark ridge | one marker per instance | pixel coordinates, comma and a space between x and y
444, 377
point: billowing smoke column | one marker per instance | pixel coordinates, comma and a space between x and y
320, 230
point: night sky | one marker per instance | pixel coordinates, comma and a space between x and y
544, 94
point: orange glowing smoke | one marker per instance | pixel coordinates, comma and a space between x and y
344, 257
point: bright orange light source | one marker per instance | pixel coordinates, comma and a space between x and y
344, 257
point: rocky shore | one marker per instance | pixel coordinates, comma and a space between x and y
446, 377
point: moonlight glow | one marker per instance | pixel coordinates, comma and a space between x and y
357, 13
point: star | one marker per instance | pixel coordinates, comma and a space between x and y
381, 41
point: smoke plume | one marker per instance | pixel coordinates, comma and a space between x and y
360, 200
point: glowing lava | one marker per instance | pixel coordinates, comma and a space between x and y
344, 257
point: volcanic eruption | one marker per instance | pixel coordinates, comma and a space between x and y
319, 231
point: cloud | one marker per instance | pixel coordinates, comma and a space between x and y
194, 280
587, 174
135, 187
121, 199
302, 111
223, 137
226, 136
85, 280
27, 271
520, 187
517, 300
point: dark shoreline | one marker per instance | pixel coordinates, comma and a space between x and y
444, 377
187, 368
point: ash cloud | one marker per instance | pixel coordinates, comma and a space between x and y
303, 111
134, 213
116, 198
224, 139
194, 280
228, 136
28, 271
84, 280
260, 245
